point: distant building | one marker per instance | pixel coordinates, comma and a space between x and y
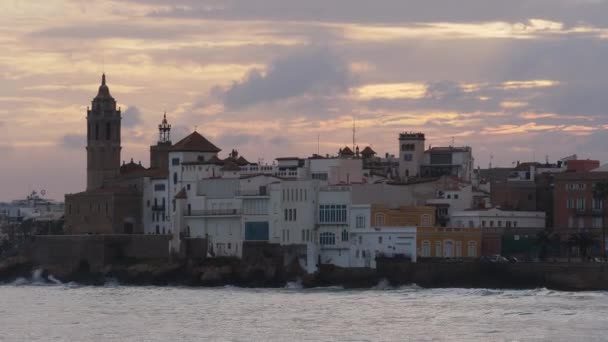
497, 218
447, 242
575, 206
448, 161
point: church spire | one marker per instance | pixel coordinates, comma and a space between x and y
104, 91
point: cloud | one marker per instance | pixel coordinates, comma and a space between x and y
76, 141
131, 117
312, 70
386, 11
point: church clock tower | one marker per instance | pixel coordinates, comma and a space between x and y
103, 138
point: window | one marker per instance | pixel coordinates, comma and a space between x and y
500, 223
425, 220
159, 187
327, 238
580, 203
379, 219
458, 249
157, 229
455, 196
597, 204
360, 240
449, 196
175, 161
294, 215
108, 131
426, 249
581, 222
305, 194
303, 235
344, 235
332, 213
438, 251
380, 240
286, 215
570, 203
483, 223
472, 249
471, 224
360, 221
407, 157
187, 186
491, 223
319, 176
598, 222
174, 177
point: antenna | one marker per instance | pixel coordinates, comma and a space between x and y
491, 159
354, 131
453, 141
318, 143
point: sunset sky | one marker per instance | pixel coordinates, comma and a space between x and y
517, 79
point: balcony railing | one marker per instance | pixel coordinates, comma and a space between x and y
158, 208
336, 188
213, 212
252, 193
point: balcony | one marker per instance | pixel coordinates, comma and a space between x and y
213, 213
335, 188
253, 193
158, 208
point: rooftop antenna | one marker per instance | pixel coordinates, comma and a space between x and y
318, 143
491, 159
453, 141
354, 131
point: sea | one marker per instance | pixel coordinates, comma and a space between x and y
48, 310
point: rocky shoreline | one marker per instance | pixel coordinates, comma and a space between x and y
235, 272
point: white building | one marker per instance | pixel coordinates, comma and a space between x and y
369, 242
448, 161
496, 218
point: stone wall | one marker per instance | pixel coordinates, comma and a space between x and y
71, 252
560, 276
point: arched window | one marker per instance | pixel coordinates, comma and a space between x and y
426, 248
379, 219
448, 249
472, 249
327, 238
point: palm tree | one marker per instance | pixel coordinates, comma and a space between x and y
583, 241
600, 192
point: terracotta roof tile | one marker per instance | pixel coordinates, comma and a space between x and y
195, 143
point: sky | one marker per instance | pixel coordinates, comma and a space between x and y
515, 80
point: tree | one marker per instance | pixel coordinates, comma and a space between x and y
543, 241
582, 241
600, 192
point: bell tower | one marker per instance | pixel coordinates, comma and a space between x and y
159, 153
103, 138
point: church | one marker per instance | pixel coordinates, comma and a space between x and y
113, 200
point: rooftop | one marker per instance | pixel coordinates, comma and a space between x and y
195, 143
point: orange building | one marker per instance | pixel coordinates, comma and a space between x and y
443, 242
403, 216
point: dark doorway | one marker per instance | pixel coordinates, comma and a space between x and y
128, 228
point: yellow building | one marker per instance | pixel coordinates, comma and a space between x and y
443, 242
403, 216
